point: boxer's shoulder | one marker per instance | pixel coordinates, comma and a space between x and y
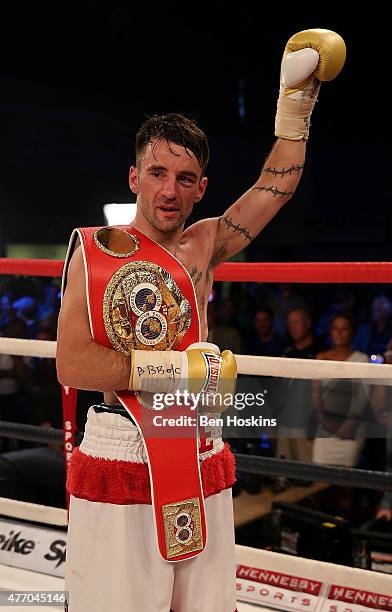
197, 245
200, 234
76, 265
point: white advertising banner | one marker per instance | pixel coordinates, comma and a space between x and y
41, 549
293, 584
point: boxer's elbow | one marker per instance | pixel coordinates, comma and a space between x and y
72, 355
67, 370
84, 365
70, 365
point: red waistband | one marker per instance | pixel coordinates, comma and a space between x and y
123, 482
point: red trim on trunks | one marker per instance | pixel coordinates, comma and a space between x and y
123, 482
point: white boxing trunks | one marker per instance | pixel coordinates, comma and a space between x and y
113, 563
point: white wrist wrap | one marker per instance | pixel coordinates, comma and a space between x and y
158, 371
292, 120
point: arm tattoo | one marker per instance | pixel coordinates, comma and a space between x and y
282, 172
275, 191
195, 276
236, 228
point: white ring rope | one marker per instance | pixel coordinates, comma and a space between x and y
28, 348
28, 511
313, 369
310, 369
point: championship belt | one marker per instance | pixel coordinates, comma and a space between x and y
141, 297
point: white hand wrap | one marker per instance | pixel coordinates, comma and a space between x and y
293, 112
167, 371
158, 371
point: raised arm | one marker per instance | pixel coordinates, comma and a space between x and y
277, 182
310, 57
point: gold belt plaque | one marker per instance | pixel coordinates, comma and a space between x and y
182, 522
143, 308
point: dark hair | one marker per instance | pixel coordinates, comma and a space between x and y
174, 128
266, 309
304, 309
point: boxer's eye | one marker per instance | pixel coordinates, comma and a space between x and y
186, 180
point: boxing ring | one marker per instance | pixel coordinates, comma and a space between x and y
265, 579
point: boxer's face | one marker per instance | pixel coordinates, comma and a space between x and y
168, 182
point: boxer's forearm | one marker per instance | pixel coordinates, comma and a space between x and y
95, 368
276, 184
92, 368
282, 170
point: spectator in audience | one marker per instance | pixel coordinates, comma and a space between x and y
373, 337
49, 304
46, 397
7, 314
229, 312
296, 422
223, 334
344, 301
265, 341
285, 298
37, 474
382, 407
303, 344
340, 404
15, 380
26, 310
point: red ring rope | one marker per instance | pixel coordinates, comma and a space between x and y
32, 267
305, 272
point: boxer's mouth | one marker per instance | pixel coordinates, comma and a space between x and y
169, 207
169, 212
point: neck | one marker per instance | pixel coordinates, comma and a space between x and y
304, 342
169, 241
343, 351
266, 337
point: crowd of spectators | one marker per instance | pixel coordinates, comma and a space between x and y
335, 422
338, 422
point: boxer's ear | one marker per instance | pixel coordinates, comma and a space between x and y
134, 179
202, 187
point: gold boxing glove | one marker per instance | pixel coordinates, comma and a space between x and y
201, 369
310, 57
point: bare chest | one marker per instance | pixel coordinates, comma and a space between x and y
197, 265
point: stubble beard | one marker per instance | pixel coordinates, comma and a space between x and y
168, 226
